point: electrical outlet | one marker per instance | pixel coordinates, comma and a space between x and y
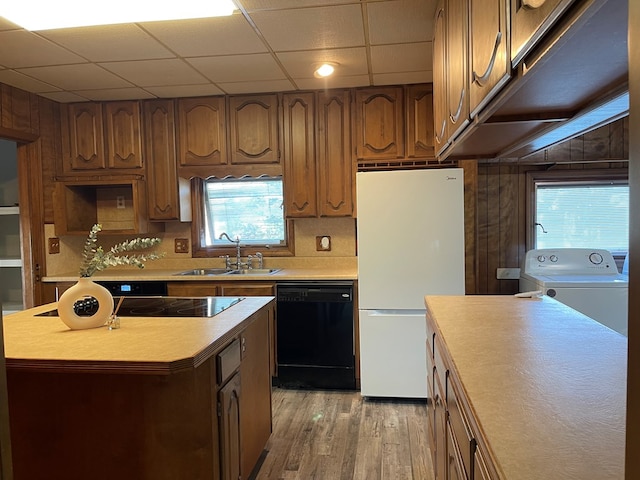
120, 201
182, 245
508, 273
54, 245
323, 243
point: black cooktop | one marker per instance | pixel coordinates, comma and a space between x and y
159, 306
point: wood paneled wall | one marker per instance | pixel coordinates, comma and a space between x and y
501, 198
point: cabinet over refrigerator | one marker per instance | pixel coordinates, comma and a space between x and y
410, 233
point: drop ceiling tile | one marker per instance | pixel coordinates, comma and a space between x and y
109, 43
207, 36
63, 97
403, 78
257, 87
147, 73
19, 48
19, 80
253, 5
76, 77
410, 57
115, 94
400, 21
178, 91
237, 68
351, 61
334, 82
312, 28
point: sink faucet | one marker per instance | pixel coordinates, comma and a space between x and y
237, 242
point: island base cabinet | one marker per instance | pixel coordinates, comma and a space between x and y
229, 412
78, 426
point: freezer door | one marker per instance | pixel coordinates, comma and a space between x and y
410, 237
393, 354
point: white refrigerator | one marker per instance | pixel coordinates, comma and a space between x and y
410, 234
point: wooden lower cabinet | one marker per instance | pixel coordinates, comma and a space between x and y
191, 289
207, 423
229, 425
453, 440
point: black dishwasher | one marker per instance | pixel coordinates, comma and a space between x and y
315, 340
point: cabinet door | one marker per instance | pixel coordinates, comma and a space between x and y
379, 123
336, 178
160, 149
202, 131
255, 402
455, 469
299, 155
419, 124
457, 66
242, 289
191, 289
530, 20
440, 77
489, 58
124, 139
83, 137
229, 426
254, 129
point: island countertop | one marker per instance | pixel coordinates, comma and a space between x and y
142, 344
546, 384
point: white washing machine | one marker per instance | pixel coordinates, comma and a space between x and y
587, 280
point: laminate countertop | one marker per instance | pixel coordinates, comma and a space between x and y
546, 384
165, 275
151, 345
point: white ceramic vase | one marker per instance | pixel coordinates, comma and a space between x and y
81, 290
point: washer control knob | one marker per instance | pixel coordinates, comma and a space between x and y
553, 258
551, 293
596, 258
541, 258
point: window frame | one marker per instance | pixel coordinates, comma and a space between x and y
198, 248
564, 176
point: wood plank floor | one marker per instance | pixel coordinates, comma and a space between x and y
336, 435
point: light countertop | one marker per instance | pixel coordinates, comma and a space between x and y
150, 274
140, 345
546, 384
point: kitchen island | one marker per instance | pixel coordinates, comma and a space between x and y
159, 398
524, 388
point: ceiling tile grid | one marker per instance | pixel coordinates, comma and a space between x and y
265, 46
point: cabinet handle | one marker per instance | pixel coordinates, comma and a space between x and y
454, 118
440, 136
482, 79
533, 3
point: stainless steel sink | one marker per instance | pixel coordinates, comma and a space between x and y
255, 271
224, 271
207, 271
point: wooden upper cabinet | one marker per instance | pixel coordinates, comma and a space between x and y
379, 123
160, 149
336, 180
488, 56
202, 131
299, 155
87, 149
458, 68
419, 125
530, 20
83, 137
440, 77
254, 129
124, 140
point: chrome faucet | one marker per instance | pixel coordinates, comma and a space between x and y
237, 242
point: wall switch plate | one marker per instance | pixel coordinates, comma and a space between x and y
120, 201
323, 243
508, 273
182, 245
54, 245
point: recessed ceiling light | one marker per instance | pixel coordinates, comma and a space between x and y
50, 14
325, 70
